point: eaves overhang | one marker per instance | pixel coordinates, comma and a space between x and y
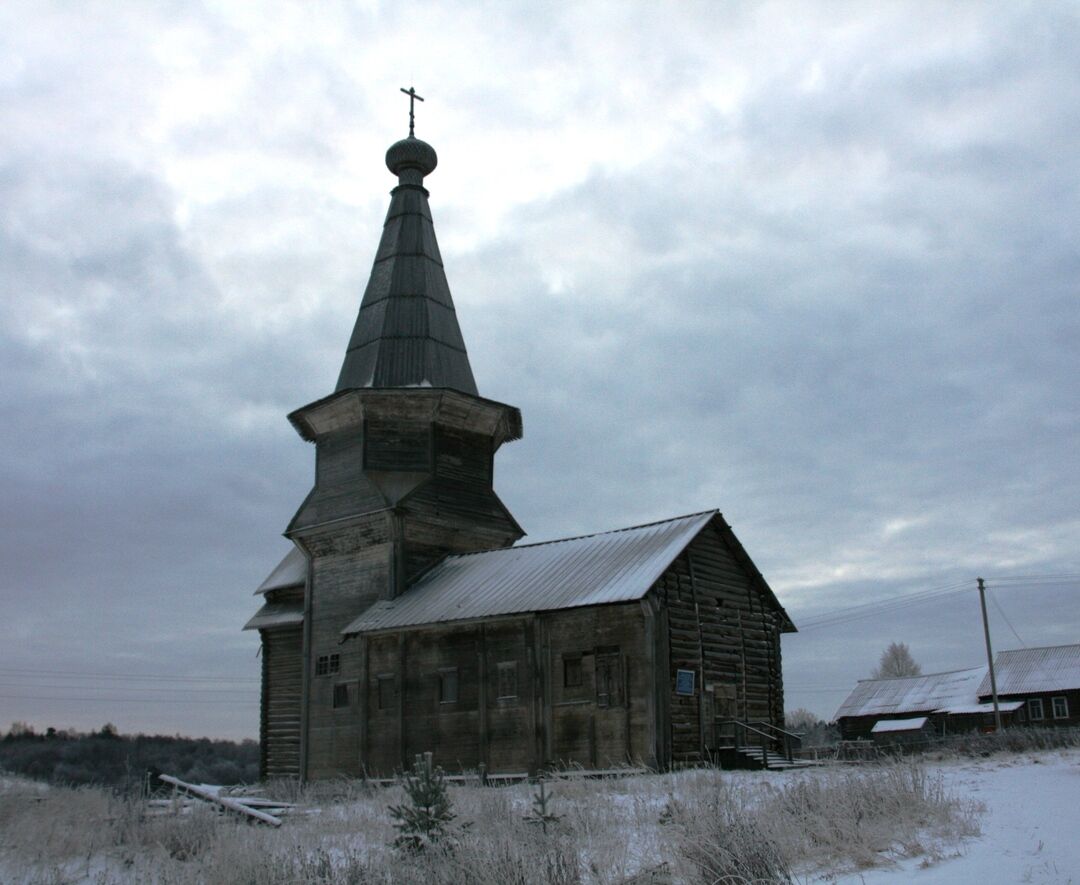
350, 407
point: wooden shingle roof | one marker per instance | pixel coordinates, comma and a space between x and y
407, 333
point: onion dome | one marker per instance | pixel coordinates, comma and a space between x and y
411, 155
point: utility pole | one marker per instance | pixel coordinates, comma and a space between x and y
989, 654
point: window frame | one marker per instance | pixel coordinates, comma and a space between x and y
506, 673
327, 665
391, 697
449, 676
1035, 706
573, 663
608, 669
340, 699
1064, 706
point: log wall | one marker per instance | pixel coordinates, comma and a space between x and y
723, 626
279, 720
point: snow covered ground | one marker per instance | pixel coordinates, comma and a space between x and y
1030, 829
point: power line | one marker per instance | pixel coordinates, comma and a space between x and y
130, 677
23, 697
1005, 617
36, 685
877, 607
897, 603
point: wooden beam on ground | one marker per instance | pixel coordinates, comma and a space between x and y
224, 801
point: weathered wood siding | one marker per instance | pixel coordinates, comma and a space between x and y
513, 712
279, 721
582, 726
404, 713
351, 569
722, 625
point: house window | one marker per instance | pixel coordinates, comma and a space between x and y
1061, 707
327, 665
571, 671
341, 695
448, 685
508, 687
1035, 709
608, 678
384, 684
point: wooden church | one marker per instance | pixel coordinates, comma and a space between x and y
407, 619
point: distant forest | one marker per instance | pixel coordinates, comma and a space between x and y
111, 759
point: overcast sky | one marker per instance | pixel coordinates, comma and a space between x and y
814, 266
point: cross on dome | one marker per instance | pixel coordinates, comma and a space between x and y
413, 98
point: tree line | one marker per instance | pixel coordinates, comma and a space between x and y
108, 758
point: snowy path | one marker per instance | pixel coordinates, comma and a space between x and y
1030, 831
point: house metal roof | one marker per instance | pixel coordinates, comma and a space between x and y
618, 566
933, 692
290, 572
887, 725
1033, 670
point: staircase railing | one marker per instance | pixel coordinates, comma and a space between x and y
740, 730
790, 740
763, 734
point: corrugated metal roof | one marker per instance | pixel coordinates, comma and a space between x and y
276, 614
290, 572
1030, 670
618, 566
913, 694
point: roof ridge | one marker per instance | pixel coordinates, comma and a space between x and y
628, 528
1010, 651
922, 675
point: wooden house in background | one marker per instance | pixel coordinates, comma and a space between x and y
1046, 681
1036, 687
948, 701
405, 619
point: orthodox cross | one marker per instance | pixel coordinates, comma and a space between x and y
413, 98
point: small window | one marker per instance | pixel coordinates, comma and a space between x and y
571, 672
684, 682
1035, 709
341, 695
1061, 707
608, 678
448, 685
384, 683
327, 665
508, 687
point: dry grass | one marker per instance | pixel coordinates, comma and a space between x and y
694, 826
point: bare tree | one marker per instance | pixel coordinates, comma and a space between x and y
896, 660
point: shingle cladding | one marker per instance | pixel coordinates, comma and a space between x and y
618, 566
1034, 670
407, 333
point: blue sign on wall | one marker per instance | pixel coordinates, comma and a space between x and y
684, 682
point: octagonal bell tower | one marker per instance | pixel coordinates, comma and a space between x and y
404, 452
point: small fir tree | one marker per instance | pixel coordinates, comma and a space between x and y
541, 808
426, 819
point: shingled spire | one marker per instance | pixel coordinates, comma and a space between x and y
407, 333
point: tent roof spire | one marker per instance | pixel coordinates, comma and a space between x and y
407, 333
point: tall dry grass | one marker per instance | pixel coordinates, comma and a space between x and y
702, 826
